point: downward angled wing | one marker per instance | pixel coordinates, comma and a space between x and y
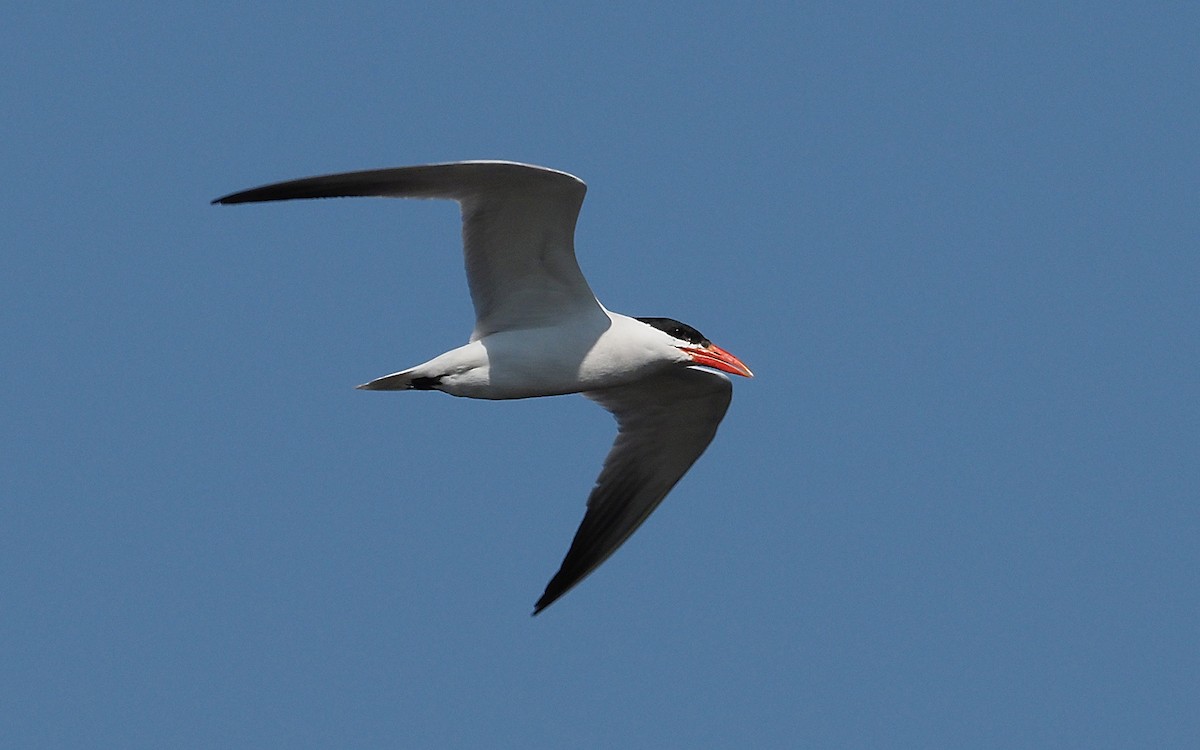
665, 423
518, 232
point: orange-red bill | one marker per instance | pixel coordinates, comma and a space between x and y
717, 358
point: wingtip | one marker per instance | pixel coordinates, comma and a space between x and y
548, 597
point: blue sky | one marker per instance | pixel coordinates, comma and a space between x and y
957, 243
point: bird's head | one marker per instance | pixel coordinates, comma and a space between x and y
698, 349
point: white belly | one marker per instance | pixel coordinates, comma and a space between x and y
525, 363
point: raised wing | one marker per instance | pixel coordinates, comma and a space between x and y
518, 232
665, 423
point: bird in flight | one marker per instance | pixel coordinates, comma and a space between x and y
540, 331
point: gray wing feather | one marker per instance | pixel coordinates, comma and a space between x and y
518, 231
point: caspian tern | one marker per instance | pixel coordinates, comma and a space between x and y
540, 331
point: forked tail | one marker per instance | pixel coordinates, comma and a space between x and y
405, 380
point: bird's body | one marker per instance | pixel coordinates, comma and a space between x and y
539, 331
580, 355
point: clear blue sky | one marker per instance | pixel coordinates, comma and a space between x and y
957, 242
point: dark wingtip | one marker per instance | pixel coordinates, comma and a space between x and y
554, 591
552, 594
225, 200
